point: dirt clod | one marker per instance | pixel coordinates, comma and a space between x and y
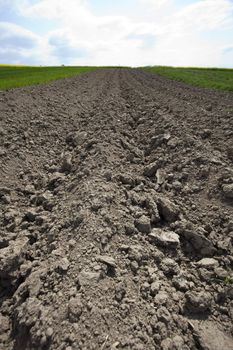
143, 224
165, 238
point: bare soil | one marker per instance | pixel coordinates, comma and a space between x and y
116, 220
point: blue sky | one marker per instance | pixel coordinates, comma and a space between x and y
122, 32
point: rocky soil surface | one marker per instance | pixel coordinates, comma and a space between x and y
116, 220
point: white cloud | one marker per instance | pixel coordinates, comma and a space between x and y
16, 36
185, 40
105, 39
204, 15
169, 35
52, 8
157, 4
19, 45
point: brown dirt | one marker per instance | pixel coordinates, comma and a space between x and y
116, 194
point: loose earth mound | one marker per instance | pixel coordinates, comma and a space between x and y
116, 195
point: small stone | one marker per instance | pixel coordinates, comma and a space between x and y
198, 302
167, 210
66, 163
165, 238
3, 132
160, 175
87, 278
136, 252
129, 229
29, 189
126, 179
2, 152
5, 199
97, 267
153, 322
230, 226
41, 220
230, 152
96, 204
134, 266
143, 224
228, 191
155, 287
178, 343
76, 138
73, 291
161, 298
55, 180
43, 340
78, 219
108, 175
208, 263
163, 315
173, 142
59, 252
72, 243
198, 241
177, 185
75, 308
63, 265
229, 289
152, 210
209, 108
169, 266
180, 283
30, 215
151, 169
108, 260
11, 256
4, 324
38, 199
4, 190
144, 289
167, 344
120, 291
49, 332
220, 272
206, 133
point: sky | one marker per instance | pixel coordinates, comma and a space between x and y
122, 32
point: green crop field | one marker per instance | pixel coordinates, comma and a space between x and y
12, 76
212, 78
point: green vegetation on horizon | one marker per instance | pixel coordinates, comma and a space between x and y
212, 78
12, 76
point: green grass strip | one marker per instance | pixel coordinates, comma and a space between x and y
16, 76
212, 78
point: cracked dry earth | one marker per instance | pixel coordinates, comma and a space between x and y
116, 196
